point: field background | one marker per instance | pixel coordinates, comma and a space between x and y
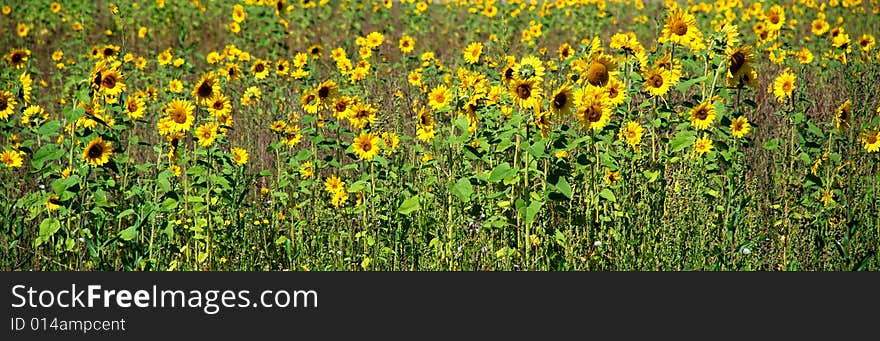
490, 191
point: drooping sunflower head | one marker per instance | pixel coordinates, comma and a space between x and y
542, 121
97, 152
842, 116
739, 60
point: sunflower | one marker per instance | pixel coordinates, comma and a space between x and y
632, 133
611, 177
179, 115
366, 146
805, 56
528, 67
681, 28
702, 146
18, 58
207, 133
206, 89
333, 184
309, 101
98, 152
407, 44
600, 70
363, 114
615, 91
783, 86
561, 103
472, 53
542, 121
391, 141
871, 141
26, 87
282, 67
232, 71
657, 81
739, 61
866, 42
53, 203
819, 27
7, 105
342, 107
239, 156
238, 13
219, 105
842, 116
112, 82
439, 97
565, 51
740, 127
31, 112
339, 198
415, 78
327, 91
526, 92
775, 17
109, 52
260, 69
11, 158
134, 107
316, 51
306, 170
702, 115
593, 111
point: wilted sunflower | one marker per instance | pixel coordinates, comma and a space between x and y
239, 156
702, 115
657, 82
179, 115
98, 152
871, 141
783, 86
702, 146
740, 126
7, 104
739, 61
526, 93
18, 58
11, 158
632, 133
592, 110
842, 116
439, 97
561, 103
366, 146
206, 88
260, 69
53, 203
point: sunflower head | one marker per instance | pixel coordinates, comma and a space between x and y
18, 58
97, 152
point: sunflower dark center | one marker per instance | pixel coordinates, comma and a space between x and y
4, 103
97, 80
872, 138
737, 61
612, 92
132, 106
310, 98
218, 105
598, 74
774, 18
54, 201
656, 81
205, 90
109, 81
560, 100
95, 151
701, 114
680, 28
17, 57
108, 52
524, 91
508, 74
316, 50
341, 106
259, 68
593, 114
367, 146
323, 92
279, 6
179, 115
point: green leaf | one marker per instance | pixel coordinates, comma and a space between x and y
608, 195
128, 234
563, 187
771, 145
125, 213
500, 172
683, 140
409, 205
50, 128
169, 204
48, 227
532, 211
463, 189
46, 153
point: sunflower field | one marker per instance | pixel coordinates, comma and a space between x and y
402, 135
